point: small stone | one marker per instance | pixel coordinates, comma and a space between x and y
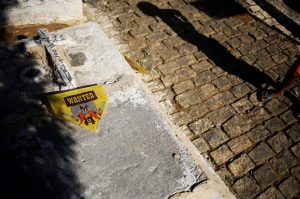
186, 60
261, 153
215, 137
204, 77
240, 90
258, 115
288, 117
279, 142
275, 124
296, 150
237, 125
285, 44
290, 187
197, 111
221, 115
183, 86
222, 83
259, 54
201, 125
221, 155
201, 145
169, 80
239, 144
259, 133
241, 165
276, 107
185, 73
271, 193
293, 132
202, 66
284, 162
168, 68
264, 175
280, 58
246, 187
242, 105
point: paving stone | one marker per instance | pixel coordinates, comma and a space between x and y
288, 117
240, 90
226, 176
279, 58
242, 105
249, 59
215, 137
266, 63
169, 80
258, 115
296, 172
186, 131
164, 94
271, 39
222, 83
200, 56
264, 175
168, 68
172, 42
185, 73
293, 132
241, 165
219, 71
246, 187
219, 100
197, 111
246, 49
140, 31
237, 125
201, 125
186, 60
206, 91
221, 115
183, 86
220, 37
279, 142
275, 124
202, 66
259, 134
290, 187
201, 145
296, 150
204, 77
234, 42
234, 79
186, 48
285, 44
180, 118
155, 85
168, 106
222, 154
261, 53
271, 193
189, 98
152, 75
274, 49
233, 32
156, 36
239, 144
284, 162
261, 153
259, 34
169, 55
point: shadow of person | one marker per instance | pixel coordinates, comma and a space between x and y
219, 9
210, 47
36, 150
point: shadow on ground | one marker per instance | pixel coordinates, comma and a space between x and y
36, 152
211, 47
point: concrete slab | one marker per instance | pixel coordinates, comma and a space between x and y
134, 154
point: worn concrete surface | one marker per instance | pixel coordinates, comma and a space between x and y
134, 154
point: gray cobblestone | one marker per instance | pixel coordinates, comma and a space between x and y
204, 77
271, 193
221, 115
279, 142
239, 144
275, 124
276, 107
183, 86
201, 125
293, 132
237, 125
169, 80
265, 176
241, 165
222, 83
261, 153
202, 66
290, 187
258, 134
215, 137
186, 73
168, 68
242, 105
201, 145
221, 155
296, 150
246, 187
240, 90
284, 162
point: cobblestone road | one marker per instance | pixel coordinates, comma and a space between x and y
206, 60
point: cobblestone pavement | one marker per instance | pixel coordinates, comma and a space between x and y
206, 61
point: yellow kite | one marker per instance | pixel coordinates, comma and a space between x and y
83, 106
